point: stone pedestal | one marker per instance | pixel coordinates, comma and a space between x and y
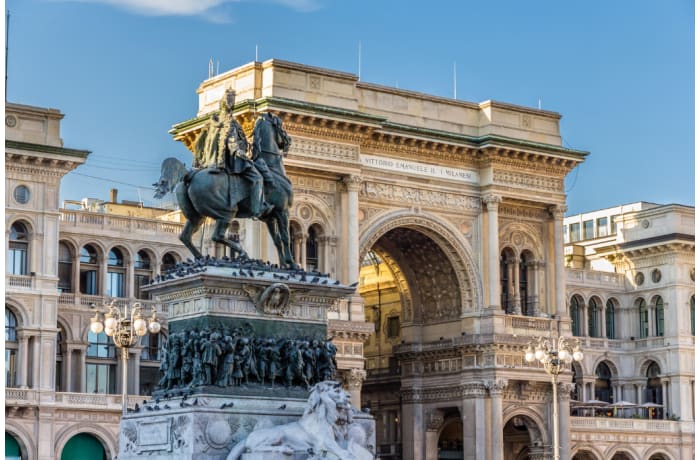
196, 416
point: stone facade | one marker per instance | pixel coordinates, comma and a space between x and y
450, 216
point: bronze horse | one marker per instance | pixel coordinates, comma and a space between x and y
213, 193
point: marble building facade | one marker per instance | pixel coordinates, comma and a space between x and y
450, 216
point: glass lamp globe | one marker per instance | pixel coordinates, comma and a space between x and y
578, 355
154, 327
539, 354
562, 355
110, 322
140, 327
96, 326
109, 331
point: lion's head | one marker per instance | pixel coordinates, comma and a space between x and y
330, 403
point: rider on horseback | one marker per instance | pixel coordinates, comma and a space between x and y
223, 145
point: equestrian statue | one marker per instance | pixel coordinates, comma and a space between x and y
234, 179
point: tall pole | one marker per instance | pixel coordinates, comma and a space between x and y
7, 47
555, 417
125, 356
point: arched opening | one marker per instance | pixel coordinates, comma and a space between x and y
621, 456
508, 262
654, 390
116, 287
450, 442
17, 257
575, 312
88, 270
13, 450
643, 314
521, 438
168, 262
312, 248
65, 267
603, 386
658, 316
584, 455
11, 348
528, 284
610, 319
593, 318
83, 446
142, 274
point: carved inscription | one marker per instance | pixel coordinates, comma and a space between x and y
326, 150
397, 193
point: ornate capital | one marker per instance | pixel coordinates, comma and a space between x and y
434, 420
354, 378
557, 211
496, 387
352, 183
565, 390
491, 201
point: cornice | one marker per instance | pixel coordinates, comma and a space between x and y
42, 148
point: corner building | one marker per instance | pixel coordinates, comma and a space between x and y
450, 216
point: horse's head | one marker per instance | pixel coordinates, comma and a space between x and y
282, 139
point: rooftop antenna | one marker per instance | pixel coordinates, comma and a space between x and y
359, 60
7, 47
539, 104
211, 67
256, 53
217, 67
454, 80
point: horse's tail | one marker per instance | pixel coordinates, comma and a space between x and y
171, 173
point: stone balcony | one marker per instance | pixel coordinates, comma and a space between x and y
71, 298
595, 279
85, 220
28, 397
580, 425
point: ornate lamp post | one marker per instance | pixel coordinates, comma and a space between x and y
126, 327
554, 354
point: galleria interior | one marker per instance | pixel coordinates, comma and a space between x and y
450, 214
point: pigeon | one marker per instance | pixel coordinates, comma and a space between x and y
225, 405
156, 407
314, 279
195, 402
251, 274
184, 404
354, 284
166, 407
136, 407
337, 282
148, 408
324, 282
282, 407
261, 273
157, 399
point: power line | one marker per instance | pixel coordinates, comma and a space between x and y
111, 180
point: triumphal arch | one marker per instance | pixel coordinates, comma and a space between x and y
448, 214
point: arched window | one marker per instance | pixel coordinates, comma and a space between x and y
610, 319
65, 268
654, 390
142, 274
296, 236
169, 261
643, 318
659, 317
575, 313
528, 298
115, 274
100, 372
603, 387
508, 261
59, 359
692, 315
312, 249
19, 248
593, 330
11, 347
88, 270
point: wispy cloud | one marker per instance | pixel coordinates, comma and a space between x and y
203, 8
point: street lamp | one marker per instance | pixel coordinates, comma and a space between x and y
555, 355
126, 327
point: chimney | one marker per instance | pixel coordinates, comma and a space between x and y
113, 195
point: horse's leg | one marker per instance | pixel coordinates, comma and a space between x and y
282, 217
194, 222
272, 230
219, 236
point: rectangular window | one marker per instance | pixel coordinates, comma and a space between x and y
602, 226
148, 379
88, 282
566, 234
393, 328
115, 284
613, 224
643, 324
575, 232
17, 260
64, 276
10, 368
588, 232
100, 378
141, 281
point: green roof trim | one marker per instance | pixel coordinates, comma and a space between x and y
42, 148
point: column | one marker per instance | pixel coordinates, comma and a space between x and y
412, 428
473, 417
559, 274
533, 283
67, 377
639, 393
667, 399
433, 422
496, 388
22, 352
75, 276
353, 383
352, 224
491, 202
517, 309
564, 393
129, 281
102, 274
83, 366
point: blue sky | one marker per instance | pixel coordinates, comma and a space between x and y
124, 71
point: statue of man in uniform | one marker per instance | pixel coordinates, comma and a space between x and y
223, 145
